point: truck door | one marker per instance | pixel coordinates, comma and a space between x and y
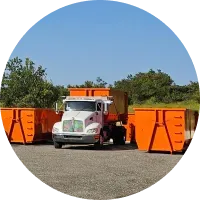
100, 112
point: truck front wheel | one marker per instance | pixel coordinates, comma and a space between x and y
57, 145
99, 144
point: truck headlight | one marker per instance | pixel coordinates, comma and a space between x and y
55, 130
93, 130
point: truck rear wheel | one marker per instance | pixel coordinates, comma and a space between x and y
119, 133
118, 141
57, 145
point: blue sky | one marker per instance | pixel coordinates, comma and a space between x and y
104, 39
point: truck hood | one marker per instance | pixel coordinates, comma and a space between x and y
80, 115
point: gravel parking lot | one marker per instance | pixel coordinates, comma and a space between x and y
82, 171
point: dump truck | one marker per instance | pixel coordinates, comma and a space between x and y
90, 116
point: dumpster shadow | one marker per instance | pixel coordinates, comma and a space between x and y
165, 152
105, 147
42, 143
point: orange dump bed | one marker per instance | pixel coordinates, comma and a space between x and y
28, 125
118, 111
164, 129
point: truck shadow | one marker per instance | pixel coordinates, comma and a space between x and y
111, 147
106, 147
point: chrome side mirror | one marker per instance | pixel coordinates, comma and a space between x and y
106, 105
56, 108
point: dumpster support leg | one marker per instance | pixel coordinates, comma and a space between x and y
152, 138
170, 142
21, 126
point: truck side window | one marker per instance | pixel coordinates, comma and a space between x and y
98, 106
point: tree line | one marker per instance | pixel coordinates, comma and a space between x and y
25, 85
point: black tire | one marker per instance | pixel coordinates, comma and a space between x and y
118, 141
119, 135
98, 145
115, 142
57, 145
122, 141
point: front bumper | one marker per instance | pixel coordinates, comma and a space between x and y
75, 139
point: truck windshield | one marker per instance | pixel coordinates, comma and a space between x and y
80, 106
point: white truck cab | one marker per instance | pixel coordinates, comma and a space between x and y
82, 121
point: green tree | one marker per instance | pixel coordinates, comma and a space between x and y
24, 85
126, 86
178, 93
151, 84
90, 84
100, 83
193, 91
141, 87
62, 90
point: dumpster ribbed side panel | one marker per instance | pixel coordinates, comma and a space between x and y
28, 125
18, 124
160, 129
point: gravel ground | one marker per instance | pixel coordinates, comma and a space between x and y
82, 171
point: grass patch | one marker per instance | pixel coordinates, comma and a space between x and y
193, 105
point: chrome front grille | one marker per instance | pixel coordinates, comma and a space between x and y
72, 126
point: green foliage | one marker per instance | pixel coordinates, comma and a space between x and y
90, 84
145, 86
156, 87
24, 85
